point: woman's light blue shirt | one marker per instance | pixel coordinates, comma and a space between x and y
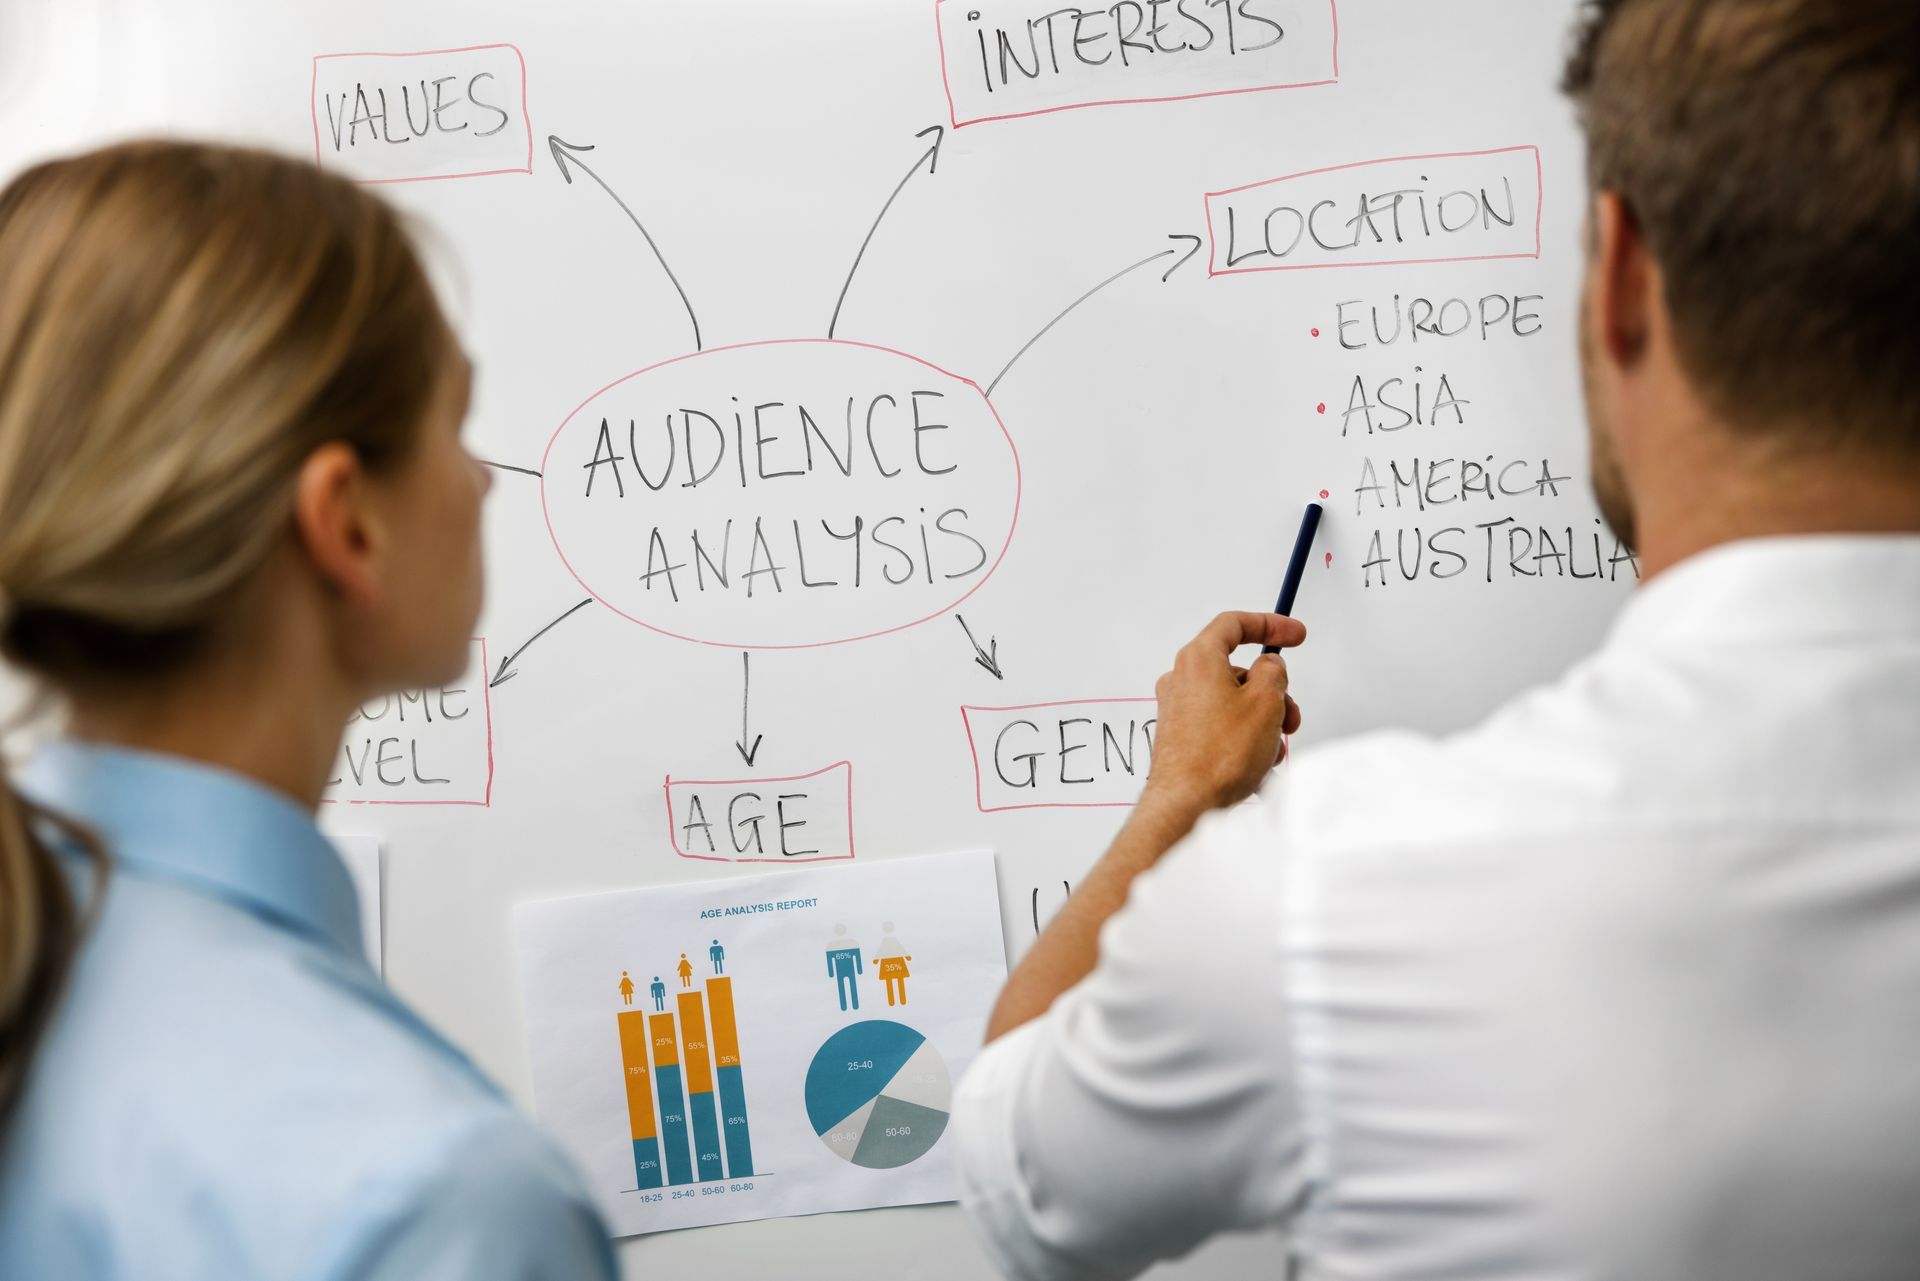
229, 1092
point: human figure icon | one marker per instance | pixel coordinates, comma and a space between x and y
659, 991
892, 962
844, 967
719, 955
626, 989
685, 971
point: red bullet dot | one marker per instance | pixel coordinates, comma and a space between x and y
1329, 560
1325, 494
1320, 408
1316, 333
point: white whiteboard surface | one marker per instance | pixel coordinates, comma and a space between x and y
1165, 434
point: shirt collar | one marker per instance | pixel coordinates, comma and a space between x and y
217, 831
1773, 589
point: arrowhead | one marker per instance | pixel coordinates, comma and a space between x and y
988, 658
1183, 259
939, 133
560, 149
502, 675
748, 753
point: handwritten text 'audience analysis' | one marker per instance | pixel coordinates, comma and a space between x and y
728, 496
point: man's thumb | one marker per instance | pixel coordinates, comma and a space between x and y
1269, 671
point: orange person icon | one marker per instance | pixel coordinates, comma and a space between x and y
892, 961
685, 971
626, 989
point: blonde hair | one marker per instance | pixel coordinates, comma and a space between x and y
181, 326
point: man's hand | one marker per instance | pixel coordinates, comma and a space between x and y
1219, 734
1220, 726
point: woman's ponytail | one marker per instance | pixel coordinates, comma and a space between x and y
40, 928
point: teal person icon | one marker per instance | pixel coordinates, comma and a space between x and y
659, 991
719, 956
843, 966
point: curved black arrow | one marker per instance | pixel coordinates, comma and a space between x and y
568, 153
988, 658
1123, 272
747, 751
931, 159
503, 674
1183, 259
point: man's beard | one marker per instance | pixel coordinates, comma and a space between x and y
1609, 482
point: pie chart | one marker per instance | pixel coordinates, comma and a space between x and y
878, 1094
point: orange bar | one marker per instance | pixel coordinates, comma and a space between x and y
633, 1053
666, 1050
726, 1038
693, 1032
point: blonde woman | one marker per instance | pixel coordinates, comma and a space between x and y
233, 505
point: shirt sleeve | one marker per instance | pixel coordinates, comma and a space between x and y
499, 1204
1154, 1104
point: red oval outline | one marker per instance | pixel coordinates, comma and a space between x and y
1012, 523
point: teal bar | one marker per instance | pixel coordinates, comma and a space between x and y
646, 1162
706, 1136
733, 1123
673, 1124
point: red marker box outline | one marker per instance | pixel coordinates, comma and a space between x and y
486, 705
953, 112
1539, 204
974, 751
673, 823
313, 109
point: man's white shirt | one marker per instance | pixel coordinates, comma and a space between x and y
1622, 985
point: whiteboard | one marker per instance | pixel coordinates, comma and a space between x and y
1139, 463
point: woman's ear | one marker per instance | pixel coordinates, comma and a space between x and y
337, 526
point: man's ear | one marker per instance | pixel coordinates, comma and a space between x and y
1624, 282
337, 527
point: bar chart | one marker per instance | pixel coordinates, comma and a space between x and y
686, 1095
